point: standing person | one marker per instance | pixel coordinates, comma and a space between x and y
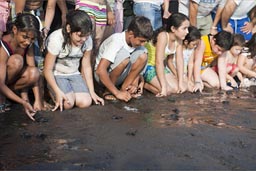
66, 47
235, 17
18, 70
4, 14
152, 9
128, 13
212, 47
122, 58
166, 42
200, 14
101, 15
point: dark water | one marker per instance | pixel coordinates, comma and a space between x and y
210, 131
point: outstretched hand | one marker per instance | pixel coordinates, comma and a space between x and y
97, 100
29, 110
61, 98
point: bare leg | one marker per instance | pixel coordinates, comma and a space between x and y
135, 70
151, 88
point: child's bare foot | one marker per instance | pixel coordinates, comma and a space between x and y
109, 96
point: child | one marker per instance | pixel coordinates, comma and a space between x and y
246, 60
210, 48
66, 48
231, 61
122, 58
190, 42
101, 15
167, 42
18, 70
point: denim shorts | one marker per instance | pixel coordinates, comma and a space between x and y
71, 83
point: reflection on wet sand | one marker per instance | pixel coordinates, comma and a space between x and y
210, 108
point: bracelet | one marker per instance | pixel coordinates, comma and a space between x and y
215, 28
45, 28
197, 82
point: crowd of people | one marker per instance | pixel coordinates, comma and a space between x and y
64, 47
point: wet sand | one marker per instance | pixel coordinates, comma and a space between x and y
211, 131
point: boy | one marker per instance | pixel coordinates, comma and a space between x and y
212, 48
121, 58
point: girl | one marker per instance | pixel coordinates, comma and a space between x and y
166, 42
231, 60
246, 60
17, 64
67, 48
101, 15
190, 42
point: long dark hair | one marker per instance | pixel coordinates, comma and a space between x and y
24, 22
175, 20
79, 21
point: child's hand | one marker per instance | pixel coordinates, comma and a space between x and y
227, 88
123, 95
162, 93
29, 110
140, 88
132, 89
182, 88
60, 99
199, 86
234, 84
97, 99
38, 106
190, 86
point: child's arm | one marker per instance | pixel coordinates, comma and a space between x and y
191, 67
242, 68
171, 65
6, 91
86, 71
198, 58
141, 84
102, 72
232, 81
110, 14
190, 72
19, 6
38, 103
48, 73
180, 67
222, 70
160, 48
50, 11
241, 78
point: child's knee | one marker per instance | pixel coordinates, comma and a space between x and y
143, 57
16, 62
68, 106
34, 74
85, 103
